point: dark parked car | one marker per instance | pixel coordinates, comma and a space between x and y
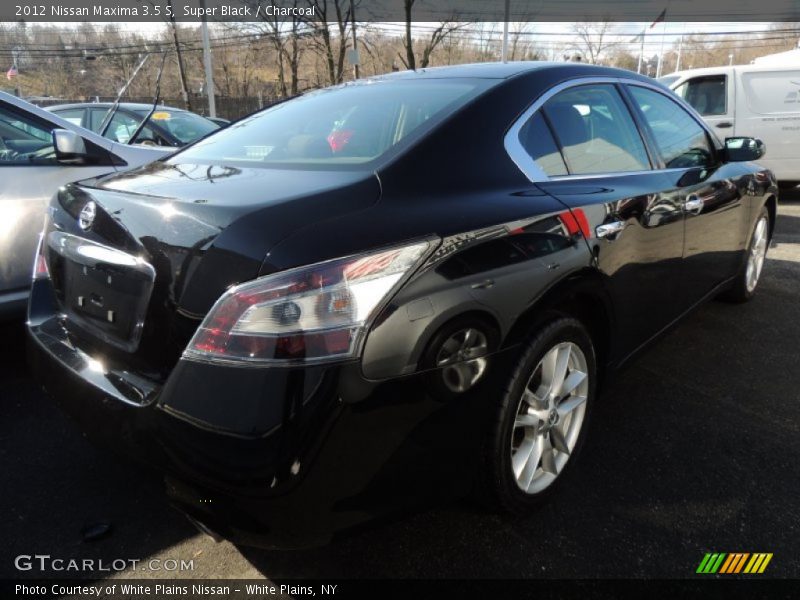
167, 126
389, 292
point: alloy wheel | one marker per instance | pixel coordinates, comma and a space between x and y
757, 255
549, 417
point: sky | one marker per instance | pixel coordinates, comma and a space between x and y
547, 35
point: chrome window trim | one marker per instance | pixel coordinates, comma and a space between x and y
612, 174
534, 172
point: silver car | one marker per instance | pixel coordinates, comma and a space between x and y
39, 152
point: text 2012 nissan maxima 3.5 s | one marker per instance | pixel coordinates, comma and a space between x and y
389, 292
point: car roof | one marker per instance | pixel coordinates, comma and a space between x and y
506, 70
123, 105
491, 70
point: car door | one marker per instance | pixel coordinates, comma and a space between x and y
713, 97
589, 153
29, 176
706, 188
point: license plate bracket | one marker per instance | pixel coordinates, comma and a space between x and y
105, 290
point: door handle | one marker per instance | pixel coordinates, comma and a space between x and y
724, 125
609, 229
483, 285
693, 205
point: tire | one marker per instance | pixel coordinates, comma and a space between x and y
745, 285
519, 433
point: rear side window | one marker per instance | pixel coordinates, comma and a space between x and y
595, 131
707, 95
681, 140
73, 115
538, 142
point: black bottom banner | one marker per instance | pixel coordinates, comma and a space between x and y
193, 589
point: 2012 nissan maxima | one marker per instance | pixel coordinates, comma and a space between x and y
397, 290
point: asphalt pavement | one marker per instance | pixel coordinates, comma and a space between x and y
693, 449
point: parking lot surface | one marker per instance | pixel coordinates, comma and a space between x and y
693, 449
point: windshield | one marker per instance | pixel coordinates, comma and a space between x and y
186, 127
345, 125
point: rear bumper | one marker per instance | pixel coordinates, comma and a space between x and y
275, 457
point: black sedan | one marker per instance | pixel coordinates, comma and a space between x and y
391, 292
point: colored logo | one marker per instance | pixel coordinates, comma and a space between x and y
734, 562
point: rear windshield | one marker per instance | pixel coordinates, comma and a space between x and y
345, 125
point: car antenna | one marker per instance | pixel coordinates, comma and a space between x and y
156, 98
110, 114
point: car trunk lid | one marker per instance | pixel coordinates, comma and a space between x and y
137, 259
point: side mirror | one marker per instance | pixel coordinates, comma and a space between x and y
69, 146
739, 149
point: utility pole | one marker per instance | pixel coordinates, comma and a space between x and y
506, 12
182, 75
641, 52
355, 41
661, 52
212, 101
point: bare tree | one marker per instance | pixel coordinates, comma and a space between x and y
284, 35
593, 39
521, 47
429, 44
176, 43
330, 45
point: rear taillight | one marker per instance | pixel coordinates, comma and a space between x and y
312, 313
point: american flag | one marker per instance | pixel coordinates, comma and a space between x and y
12, 72
659, 19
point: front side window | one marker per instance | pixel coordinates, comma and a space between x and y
595, 131
335, 127
707, 95
24, 141
96, 116
123, 125
681, 140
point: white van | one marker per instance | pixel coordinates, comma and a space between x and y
750, 100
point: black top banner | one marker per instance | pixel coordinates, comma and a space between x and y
399, 10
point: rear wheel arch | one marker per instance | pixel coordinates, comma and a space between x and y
772, 210
581, 297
